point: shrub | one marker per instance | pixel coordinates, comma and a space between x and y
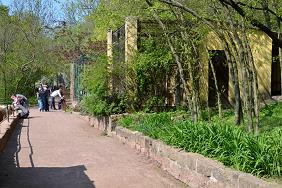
98, 101
229, 144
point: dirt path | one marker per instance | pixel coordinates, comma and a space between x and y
59, 150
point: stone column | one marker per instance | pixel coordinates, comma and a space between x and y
131, 35
110, 58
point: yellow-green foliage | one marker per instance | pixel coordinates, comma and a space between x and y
111, 15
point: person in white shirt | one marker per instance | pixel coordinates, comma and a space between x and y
53, 95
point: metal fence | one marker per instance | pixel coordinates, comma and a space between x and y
118, 75
79, 68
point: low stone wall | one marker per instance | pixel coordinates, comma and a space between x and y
193, 169
6, 129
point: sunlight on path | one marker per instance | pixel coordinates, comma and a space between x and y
56, 149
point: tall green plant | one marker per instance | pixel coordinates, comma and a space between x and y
232, 146
94, 81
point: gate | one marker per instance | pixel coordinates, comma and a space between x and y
78, 69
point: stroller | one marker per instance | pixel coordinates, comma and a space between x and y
21, 106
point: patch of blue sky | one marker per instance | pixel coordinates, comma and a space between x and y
57, 5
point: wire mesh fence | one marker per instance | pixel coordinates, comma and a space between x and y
81, 64
118, 74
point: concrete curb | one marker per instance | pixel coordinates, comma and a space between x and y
6, 130
193, 169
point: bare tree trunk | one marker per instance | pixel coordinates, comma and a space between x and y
276, 7
193, 97
5, 85
246, 75
219, 105
192, 78
177, 59
234, 76
196, 78
280, 59
255, 91
254, 86
230, 60
238, 58
191, 56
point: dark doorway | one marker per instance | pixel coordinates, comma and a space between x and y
275, 71
218, 59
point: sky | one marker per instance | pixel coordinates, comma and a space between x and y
8, 2
5, 2
57, 5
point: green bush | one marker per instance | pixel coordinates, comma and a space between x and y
147, 75
98, 101
94, 81
261, 156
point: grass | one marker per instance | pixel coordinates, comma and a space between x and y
220, 139
271, 117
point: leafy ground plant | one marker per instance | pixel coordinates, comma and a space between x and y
229, 144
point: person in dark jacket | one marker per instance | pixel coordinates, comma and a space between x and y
40, 96
44, 96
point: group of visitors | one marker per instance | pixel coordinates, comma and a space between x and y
43, 95
20, 104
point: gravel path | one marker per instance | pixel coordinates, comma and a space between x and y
59, 150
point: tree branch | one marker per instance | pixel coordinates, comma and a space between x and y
262, 9
273, 35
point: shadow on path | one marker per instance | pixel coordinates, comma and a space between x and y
12, 175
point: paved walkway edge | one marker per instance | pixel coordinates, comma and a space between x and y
193, 169
6, 130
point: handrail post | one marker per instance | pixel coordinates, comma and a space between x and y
8, 115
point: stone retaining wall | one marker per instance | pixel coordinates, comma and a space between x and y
6, 129
193, 169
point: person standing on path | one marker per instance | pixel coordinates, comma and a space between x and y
53, 95
46, 98
40, 97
